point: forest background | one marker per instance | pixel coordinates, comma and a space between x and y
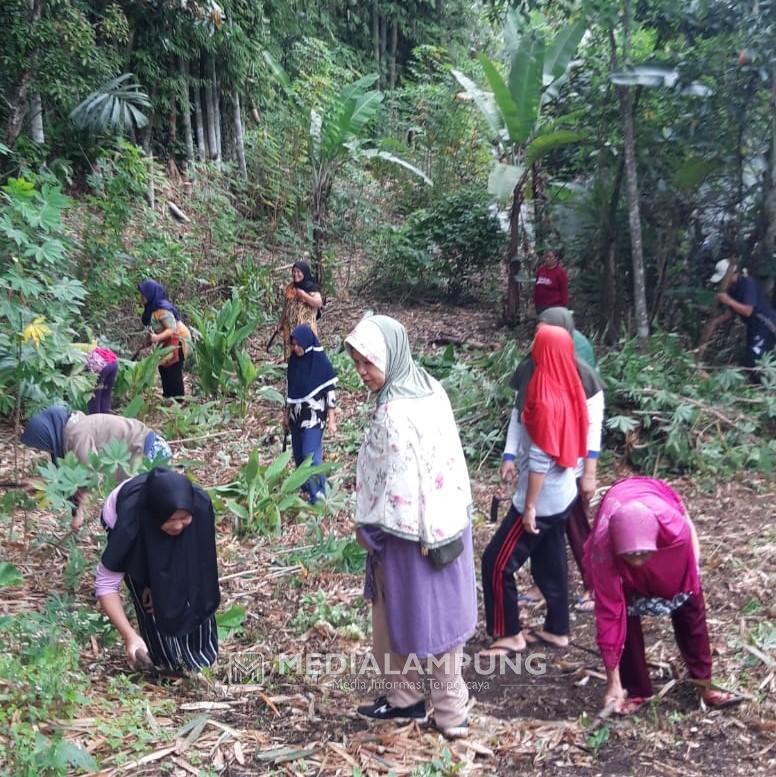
423, 153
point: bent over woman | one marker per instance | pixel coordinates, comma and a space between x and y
642, 559
59, 431
161, 542
413, 510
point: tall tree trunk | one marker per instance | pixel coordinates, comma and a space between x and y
768, 238
634, 215
632, 189
172, 119
147, 133
512, 261
199, 115
212, 138
36, 118
18, 102
383, 51
394, 46
217, 109
239, 139
376, 38
183, 69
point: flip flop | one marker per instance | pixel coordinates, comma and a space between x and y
500, 650
585, 603
631, 706
532, 638
720, 700
526, 600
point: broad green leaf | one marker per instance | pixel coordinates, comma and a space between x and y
374, 153
525, 83
562, 49
277, 467
271, 394
251, 469
133, 409
543, 144
301, 475
503, 179
510, 112
484, 101
69, 754
9, 575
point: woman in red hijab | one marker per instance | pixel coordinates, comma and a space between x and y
642, 559
550, 436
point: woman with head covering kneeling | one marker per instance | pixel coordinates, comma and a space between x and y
642, 559
413, 509
311, 403
161, 542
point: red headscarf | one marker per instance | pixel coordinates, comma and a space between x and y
555, 413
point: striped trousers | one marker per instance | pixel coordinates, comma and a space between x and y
507, 551
191, 652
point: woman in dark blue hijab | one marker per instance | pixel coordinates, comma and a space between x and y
168, 331
311, 402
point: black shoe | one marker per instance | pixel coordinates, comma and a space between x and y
381, 709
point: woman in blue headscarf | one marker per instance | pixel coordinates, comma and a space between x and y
311, 402
167, 331
59, 431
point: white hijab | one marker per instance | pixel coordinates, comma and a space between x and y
411, 478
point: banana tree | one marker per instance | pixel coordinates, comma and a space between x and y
513, 112
337, 136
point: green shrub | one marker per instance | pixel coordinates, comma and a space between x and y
262, 494
40, 300
447, 247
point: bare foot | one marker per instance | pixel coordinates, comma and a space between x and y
505, 646
537, 636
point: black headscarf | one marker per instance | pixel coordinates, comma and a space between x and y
181, 571
307, 283
46, 431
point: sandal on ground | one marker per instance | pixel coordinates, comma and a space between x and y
720, 700
526, 600
500, 650
631, 705
533, 638
585, 603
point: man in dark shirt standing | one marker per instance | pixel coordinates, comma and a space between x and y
745, 297
552, 284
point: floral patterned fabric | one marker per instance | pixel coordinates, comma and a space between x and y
295, 312
412, 479
162, 320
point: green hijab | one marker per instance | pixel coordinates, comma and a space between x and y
404, 379
563, 317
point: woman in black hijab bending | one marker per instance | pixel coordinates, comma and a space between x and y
161, 542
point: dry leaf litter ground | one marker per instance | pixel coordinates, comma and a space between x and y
296, 724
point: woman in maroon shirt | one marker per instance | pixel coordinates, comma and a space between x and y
552, 284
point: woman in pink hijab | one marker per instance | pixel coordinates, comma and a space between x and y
642, 559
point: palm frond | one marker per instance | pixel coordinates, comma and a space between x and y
114, 107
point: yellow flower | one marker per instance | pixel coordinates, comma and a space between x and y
35, 331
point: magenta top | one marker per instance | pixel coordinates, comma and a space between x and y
106, 581
671, 570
